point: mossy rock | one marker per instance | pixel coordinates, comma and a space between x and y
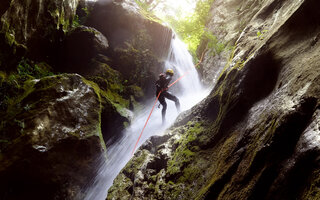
56, 141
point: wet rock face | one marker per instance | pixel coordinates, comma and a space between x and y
138, 43
31, 28
58, 140
229, 19
127, 23
81, 46
52, 135
256, 135
4, 6
23, 19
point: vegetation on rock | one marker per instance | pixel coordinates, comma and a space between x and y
255, 137
50, 117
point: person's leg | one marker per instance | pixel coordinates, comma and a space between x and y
164, 108
173, 98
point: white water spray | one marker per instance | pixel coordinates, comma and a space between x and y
188, 90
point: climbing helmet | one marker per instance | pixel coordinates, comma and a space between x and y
170, 72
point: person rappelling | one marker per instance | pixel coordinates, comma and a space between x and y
162, 88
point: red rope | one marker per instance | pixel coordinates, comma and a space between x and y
178, 79
155, 102
200, 61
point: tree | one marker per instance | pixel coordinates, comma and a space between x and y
192, 28
149, 5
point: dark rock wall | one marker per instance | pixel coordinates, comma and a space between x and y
53, 128
256, 136
34, 24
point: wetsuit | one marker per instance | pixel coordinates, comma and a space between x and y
162, 84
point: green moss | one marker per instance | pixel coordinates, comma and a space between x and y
10, 38
116, 100
2, 77
122, 184
27, 68
111, 87
135, 164
183, 154
126, 124
89, 30
214, 45
98, 93
260, 34
144, 11
76, 21
14, 103
313, 189
224, 149
9, 35
12, 126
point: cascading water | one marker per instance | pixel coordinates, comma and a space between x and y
188, 90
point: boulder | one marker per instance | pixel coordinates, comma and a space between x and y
57, 143
128, 23
82, 45
115, 115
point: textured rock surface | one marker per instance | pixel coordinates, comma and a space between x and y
31, 28
81, 46
138, 43
256, 136
229, 19
23, 19
57, 140
53, 128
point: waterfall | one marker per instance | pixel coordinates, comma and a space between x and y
188, 90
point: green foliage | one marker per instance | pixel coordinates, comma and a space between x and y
76, 21
214, 45
28, 69
143, 5
148, 5
12, 85
84, 16
86, 10
192, 28
81, 16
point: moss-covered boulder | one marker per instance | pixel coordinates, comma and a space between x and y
117, 101
255, 136
51, 139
